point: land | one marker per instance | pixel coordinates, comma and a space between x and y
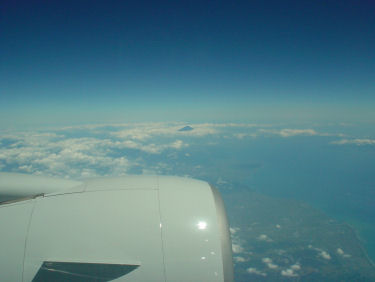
286, 240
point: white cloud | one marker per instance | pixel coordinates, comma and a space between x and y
325, 255
342, 253
150, 148
146, 131
289, 273
358, 142
88, 151
239, 259
50, 154
294, 132
233, 230
287, 132
264, 237
272, 265
236, 242
244, 135
296, 266
253, 270
178, 144
266, 260
240, 135
236, 248
269, 263
107, 149
290, 132
321, 253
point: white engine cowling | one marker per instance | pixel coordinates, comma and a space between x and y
133, 228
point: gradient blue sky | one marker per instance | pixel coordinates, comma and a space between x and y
65, 62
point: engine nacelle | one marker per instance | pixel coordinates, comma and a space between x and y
132, 228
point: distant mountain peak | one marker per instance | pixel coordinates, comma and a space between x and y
186, 128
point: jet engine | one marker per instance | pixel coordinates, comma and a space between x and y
131, 228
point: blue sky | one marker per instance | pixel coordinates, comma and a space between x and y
117, 61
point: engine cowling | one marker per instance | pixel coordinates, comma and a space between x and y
132, 228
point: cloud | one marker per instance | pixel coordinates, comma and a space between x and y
288, 273
150, 148
111, 149
321, 253
291, 271
342, 253
272, 265
236, 242
294, 132
239, 259
77, 157
233, 230
269, 263
147, 131
358, 142
236, 248
178, 144
296, 266
287, 132
325, 255
266, 260
244, 135
264, 237
253, 270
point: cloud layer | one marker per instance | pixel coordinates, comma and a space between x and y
358, 142
118, 149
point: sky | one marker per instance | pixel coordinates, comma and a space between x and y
73, 62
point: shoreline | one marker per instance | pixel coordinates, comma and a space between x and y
361, 241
